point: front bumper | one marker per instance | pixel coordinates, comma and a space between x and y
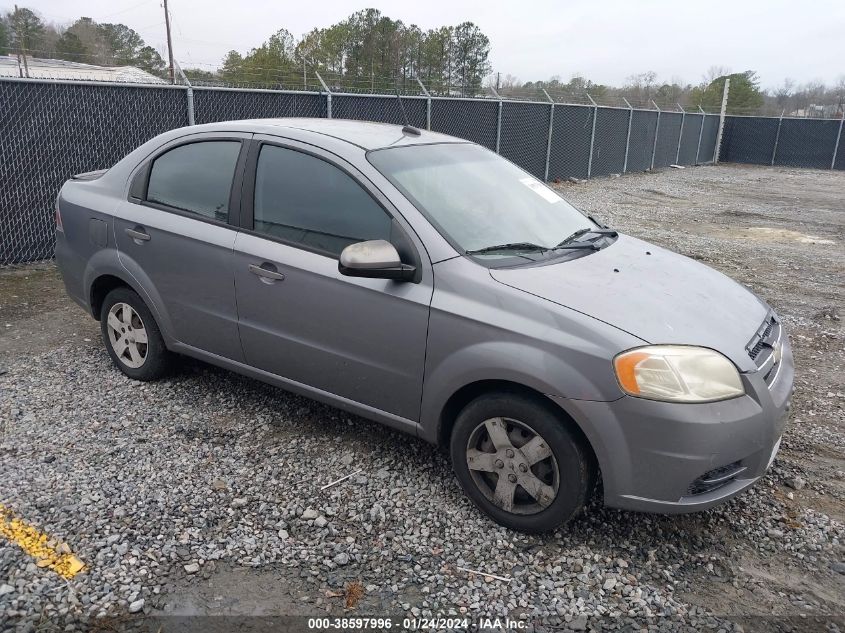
654, 455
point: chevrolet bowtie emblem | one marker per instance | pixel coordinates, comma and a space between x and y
777, 352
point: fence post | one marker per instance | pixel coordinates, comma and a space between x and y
499, 128
681, 133
656, 132
718, 147
592, 134
189, 94
700, 132
328, 95
777, 137
551, 127
498, 119
427, 105
838, 138
628, 136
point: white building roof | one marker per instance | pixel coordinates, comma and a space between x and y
61, 69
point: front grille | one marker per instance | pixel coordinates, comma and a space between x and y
762, 348
716, 478
754, 352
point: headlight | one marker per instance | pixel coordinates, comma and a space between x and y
677, 373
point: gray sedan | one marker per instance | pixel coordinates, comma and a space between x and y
429, 284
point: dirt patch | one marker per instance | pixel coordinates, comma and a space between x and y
783, 235
37, 315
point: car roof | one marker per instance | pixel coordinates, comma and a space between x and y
364, 134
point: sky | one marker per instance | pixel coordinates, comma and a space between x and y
604, 41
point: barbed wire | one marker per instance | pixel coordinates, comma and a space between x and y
97, 67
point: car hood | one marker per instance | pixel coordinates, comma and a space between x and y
652, 293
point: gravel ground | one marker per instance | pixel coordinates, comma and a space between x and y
202, 493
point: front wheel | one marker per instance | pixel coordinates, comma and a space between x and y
520, 463
132, 337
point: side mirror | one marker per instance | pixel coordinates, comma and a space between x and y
376, 259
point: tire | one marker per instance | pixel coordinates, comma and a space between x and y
132, 322
538, 445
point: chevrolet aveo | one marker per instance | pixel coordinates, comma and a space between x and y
429, 284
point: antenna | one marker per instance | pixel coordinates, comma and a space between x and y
407, 128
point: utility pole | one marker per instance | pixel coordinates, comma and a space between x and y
169, 43
21, 47
498, 75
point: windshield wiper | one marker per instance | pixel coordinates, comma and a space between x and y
580, 232
532, 248
513, 246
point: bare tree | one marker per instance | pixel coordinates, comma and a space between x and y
783, 94
714, 72
839, 89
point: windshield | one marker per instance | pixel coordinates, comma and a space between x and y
478, 200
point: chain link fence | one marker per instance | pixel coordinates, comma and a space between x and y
50, 130
791, 142
218, 104
572, 131
475, 120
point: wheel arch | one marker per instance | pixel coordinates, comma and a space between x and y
107, 270
470, 391
102, 286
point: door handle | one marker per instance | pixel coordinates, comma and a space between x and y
255, 269
138, 235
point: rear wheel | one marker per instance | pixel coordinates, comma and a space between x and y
132, 337
519, 462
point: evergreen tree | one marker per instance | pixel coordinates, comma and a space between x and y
744, 94
71, 48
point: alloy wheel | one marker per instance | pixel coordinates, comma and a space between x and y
127, 335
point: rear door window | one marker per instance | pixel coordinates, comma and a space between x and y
196, 177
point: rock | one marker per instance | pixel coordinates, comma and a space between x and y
839, 568
192, 568
341, 559
321, 521
773, 533
796, 483
283, 534
377, 514
310, 514
218, 484
136, 606
609, 584
579, 623
238, 502
4, 589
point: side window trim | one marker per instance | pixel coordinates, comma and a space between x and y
248, 196
141, 182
